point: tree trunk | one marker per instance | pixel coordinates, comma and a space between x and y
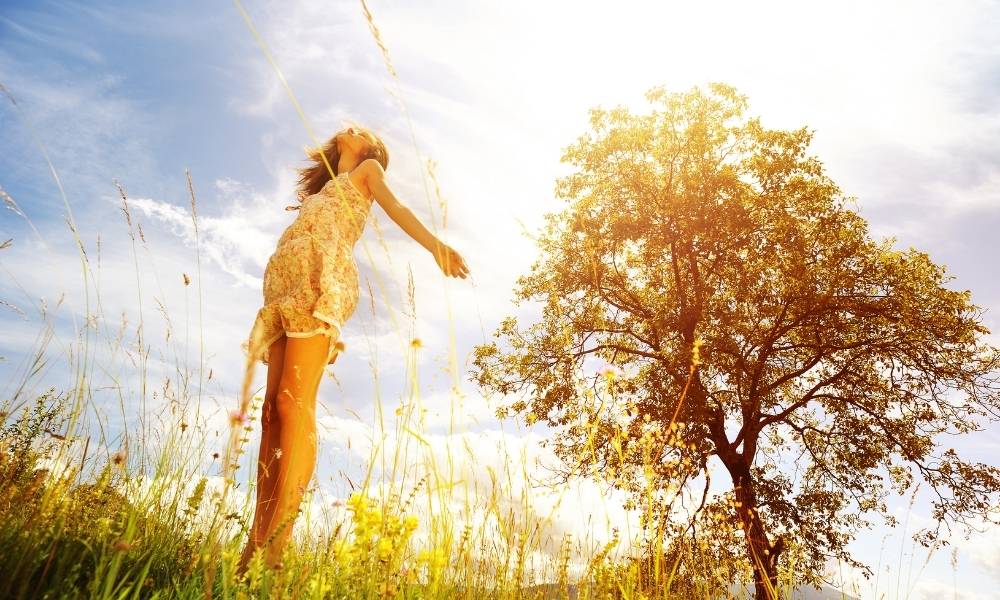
762, 553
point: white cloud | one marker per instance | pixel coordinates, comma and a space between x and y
239, 242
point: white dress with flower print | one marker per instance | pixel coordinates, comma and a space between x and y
311, 279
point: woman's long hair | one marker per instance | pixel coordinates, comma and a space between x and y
314, 177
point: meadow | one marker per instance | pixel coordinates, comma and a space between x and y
79, 519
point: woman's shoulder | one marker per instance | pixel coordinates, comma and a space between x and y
369, 167
364, 174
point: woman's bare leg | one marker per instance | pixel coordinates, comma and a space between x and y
305, 361
266, 462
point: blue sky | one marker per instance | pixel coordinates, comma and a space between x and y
903, 98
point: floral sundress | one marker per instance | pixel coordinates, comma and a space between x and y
311, 279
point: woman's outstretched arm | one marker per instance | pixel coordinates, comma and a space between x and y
450, 261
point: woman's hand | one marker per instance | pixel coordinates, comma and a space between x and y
450, 261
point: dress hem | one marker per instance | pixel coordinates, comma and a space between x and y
334, 350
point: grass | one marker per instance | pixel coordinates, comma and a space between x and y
95, 526
114, 537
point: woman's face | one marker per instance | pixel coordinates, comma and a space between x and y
360, 142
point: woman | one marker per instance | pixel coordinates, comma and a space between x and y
310, 289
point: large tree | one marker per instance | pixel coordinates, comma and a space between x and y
829, 364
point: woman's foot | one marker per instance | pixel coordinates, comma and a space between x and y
276, 566
273, 562
245, 558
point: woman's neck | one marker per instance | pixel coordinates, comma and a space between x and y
347, 163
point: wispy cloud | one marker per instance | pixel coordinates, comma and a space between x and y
238, 242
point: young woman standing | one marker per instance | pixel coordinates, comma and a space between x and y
310, 289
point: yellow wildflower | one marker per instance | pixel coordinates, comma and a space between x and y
410, 523
384, 549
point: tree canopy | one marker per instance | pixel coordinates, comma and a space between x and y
745, 315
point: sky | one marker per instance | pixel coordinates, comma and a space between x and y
902, 97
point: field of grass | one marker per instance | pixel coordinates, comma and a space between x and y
91, 526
